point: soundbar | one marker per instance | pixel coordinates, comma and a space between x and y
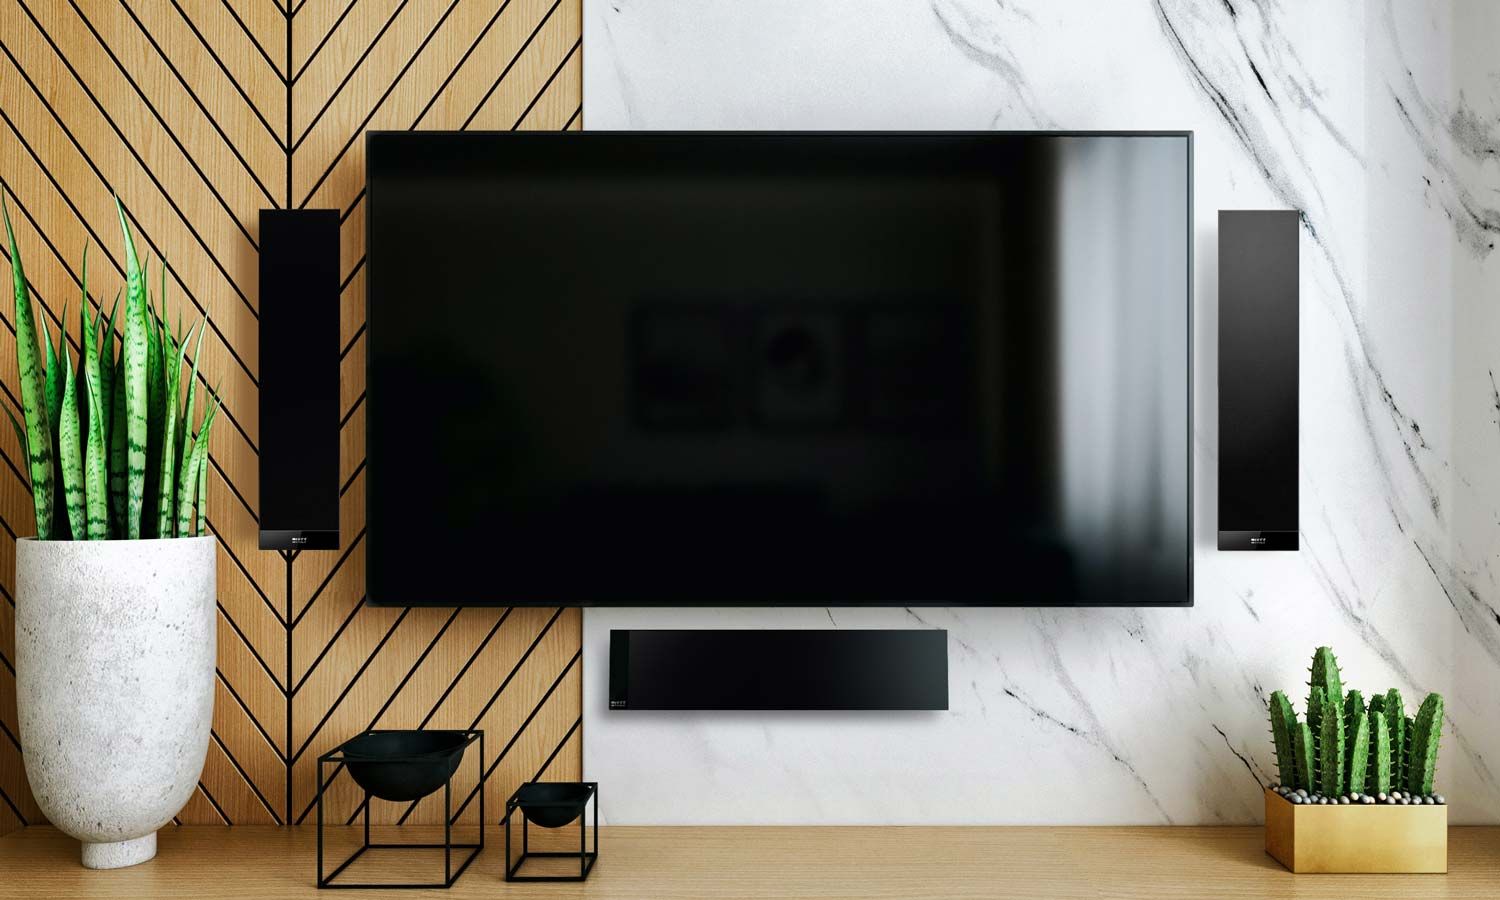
299, 379
1258, 379
754, 669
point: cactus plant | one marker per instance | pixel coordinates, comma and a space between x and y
1302, 746
1331, 754
1354, 705
1283, 727
1344, 747
1316, 704
1424, 740
102, 433
1325, 674
1380, 754
1358, 753
1407, 729
1317, 700
1395, 720
1314, 711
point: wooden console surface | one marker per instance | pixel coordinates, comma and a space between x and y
653, 863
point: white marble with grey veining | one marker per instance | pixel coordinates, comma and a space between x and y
1381, 122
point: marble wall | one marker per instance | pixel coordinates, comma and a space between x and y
1381, 122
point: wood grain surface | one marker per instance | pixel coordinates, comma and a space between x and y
199, 113
788, 863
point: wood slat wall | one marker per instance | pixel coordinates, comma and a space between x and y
199, 113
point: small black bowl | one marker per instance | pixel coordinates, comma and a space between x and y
552, 804
404, 765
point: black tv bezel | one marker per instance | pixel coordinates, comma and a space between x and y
369, 531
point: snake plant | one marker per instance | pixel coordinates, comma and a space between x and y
110, 450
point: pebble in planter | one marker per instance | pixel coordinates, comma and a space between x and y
1346, 754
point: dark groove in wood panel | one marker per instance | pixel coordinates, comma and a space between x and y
140, 161
176, 141
551, 78
510, 65
254, 40
212, 120
214, 55
359, 130
244, 775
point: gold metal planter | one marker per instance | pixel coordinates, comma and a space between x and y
1356, 837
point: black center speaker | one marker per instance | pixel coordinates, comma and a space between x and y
299, 379
1258, 378
778, 669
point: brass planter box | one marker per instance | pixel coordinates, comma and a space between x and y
1357, 837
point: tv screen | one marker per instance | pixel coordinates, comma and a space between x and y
736, 369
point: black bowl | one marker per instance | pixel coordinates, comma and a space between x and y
538, 801
404, 765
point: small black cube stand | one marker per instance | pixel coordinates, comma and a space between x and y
563, 811
339, 757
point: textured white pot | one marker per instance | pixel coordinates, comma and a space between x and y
115, 654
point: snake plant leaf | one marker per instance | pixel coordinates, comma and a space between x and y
88, 344
166, 510
95, 479
136, 361
71, 456
117, 462
78, 370
189, 411
107, 369
203, 492
194, 478
203, 451
155, 395
192, 394
52, 376
109, 329
174, 448
20, 432
39, 455
187, 470
94, 475
60, 521
186, 485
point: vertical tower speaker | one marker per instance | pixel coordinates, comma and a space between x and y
1258, 301
299, 379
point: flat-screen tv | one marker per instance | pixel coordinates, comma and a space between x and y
795, 369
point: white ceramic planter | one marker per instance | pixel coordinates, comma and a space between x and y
115, 654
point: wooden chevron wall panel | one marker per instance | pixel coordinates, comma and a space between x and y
199, 113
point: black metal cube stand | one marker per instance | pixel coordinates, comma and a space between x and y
586, 858
339, 758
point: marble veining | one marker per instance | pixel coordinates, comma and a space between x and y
1380, 123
